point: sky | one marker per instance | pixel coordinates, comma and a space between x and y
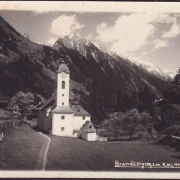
146, 36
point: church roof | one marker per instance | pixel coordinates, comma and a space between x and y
88, 127
78, 110
62, 109
75, 108
63, 68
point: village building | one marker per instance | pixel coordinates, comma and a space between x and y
171, 113
88, 132
57, 115
3, 101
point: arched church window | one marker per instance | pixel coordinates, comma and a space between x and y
63, 84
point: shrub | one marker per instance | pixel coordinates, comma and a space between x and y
25, 101
127, 124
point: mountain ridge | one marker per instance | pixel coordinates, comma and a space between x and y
77, 42
103, 83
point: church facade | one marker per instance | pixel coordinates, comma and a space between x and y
57, 115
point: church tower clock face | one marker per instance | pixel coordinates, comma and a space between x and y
63, 75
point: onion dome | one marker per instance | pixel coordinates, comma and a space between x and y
63, 68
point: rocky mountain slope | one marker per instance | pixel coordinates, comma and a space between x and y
78, 43
104, 82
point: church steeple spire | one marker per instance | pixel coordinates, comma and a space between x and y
63, 73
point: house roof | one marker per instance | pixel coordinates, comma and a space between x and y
88, 127
63, 68
39, 105
3, 97
3, 101
176, 106
48, 103
5, 114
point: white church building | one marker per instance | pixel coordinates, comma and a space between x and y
60, 117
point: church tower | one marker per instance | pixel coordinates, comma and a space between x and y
62, 94
62, 119
62, 114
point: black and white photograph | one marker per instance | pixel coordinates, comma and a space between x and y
89, 89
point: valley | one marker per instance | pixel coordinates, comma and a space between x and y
103, 81
75, 105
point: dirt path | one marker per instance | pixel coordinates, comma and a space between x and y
42, 159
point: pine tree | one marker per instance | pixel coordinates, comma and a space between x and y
173, 94
176, 81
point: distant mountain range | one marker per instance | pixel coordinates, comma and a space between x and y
78, 43
102, 80
170, 73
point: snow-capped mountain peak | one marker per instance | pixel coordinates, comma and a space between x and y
148, 66
74, 36
170, 73
103, 49
36, 42
71, 35
28, 37
82, 45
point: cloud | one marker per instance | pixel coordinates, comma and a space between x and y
51, 41
64, 25
144, 53
160, 44
173, 32
89, 37
105, 33
131, 32
165, 18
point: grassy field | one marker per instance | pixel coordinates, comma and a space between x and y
20, 149
75, 154
23, 149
